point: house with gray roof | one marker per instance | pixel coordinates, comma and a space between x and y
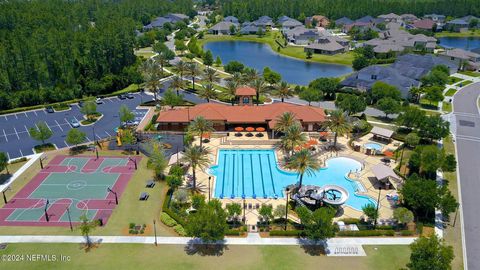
250, 29
157, 23
222, 28
435, 17
464, 59
365, 19
404, 74
302, 36
329, 45
290, 24
457, 25
391, 17
264, 21
397, 40
283, 19
231, 19
408, 18
342, 21
176, 17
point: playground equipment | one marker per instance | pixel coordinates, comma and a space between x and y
119, 137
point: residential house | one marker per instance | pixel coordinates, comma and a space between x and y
249, 28
391, 17
264, 21
302, 36
362, 26
157, 23
469, 18
365, 19
435, 17
408, 18
342, 21
404, 74
425, 24
457, 25
328, 45
320, 21
397, 40
283, 19
290, 24
176, 17
464, 59
231, 19
222, 28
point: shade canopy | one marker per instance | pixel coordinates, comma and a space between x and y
260, 129
239, 129
250, 129
175, 158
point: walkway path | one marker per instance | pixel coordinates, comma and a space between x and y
465, 122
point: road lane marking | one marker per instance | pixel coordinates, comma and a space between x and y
16, 116
36, 126
5, 134
66, 144
21, 154
16, 133
25, 114
7, 152
88, 139
58, 125
108, 134
26, 129
48, 126
5, 117
35, 112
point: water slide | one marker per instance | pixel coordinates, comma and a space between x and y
261, 175
270, 162
253, 181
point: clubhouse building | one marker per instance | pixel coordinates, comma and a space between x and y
227, 117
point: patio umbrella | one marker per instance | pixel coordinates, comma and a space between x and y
206, 135
324, 133
238, 129
260, 129
312, 142
250, 129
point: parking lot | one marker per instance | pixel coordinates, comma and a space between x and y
16, 141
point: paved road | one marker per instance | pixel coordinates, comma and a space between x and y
15, 139
466, 127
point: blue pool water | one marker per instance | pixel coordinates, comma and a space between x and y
466, 43
254, 173
375, 146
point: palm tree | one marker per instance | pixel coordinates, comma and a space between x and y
211, 75
259, 86
197, 156
231, 89
181, 67
338, 122
193, 71
284, 121
199, 126
284, 91
208, 92
237, 78
177, 83
303, 162
151, 75
251, 75
293, 137
162, 59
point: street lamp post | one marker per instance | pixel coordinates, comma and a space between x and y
209, 178
244, 209
155, 231
378, 205
93, 131
69, 219
287, 190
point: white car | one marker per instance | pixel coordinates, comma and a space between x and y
99, 100
74, 123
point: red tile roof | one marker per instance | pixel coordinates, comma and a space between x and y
426, 24
245, 91
242, 114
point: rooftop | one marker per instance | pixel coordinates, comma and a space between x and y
245, 91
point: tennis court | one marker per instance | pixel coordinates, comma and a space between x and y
67, 188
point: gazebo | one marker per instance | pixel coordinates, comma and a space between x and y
385, 174
382, 134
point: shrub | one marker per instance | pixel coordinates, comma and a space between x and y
351, 221
406, 233
233, 233
180, 230
367, 233
167, 220
385, 227
296, 233
131, 225
18, 160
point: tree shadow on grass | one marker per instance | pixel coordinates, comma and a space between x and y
312, 248
90, 245
4, 178
196, 246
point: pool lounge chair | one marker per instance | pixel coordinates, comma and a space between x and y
249, 206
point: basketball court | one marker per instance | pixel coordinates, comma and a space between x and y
67, 188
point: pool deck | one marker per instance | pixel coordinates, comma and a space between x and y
365, 177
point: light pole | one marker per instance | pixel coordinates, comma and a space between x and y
287, 190
93, 131
244, 209
69, 219
209, 178
378, 205
4, 197
155, 231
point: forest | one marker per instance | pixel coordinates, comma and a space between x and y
247, 10
55, 50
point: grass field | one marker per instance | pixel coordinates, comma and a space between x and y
146, 52
446, 107
135, 256
470, 73
450, 92
130, 209
291, 51
453, 80
470, 33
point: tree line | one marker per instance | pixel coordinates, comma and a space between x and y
252, 9
60, 50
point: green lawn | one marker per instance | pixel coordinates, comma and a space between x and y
470, 73
447, 107
130, 209
450, 92
136, 256
465, 83
453, 80
471, 33
146, 52
292, 51
426, 104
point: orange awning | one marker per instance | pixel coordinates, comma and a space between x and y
206, 136
239, 129
312, 142
388, 153
250, 129
324, 133
260, 129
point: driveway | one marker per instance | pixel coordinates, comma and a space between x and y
16, 141
466, 127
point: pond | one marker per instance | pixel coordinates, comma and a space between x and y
466, 43
259, 55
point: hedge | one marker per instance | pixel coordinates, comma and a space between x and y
233, 233
180, 230
167, 220
296, 233
351, 221
367, 233
406, 233
169, 211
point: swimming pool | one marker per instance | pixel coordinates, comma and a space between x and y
375, 146
254, 174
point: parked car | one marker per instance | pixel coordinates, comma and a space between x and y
130, 95
122, 96
130, 123
80, 103
49, 109
74, 123
99, 100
